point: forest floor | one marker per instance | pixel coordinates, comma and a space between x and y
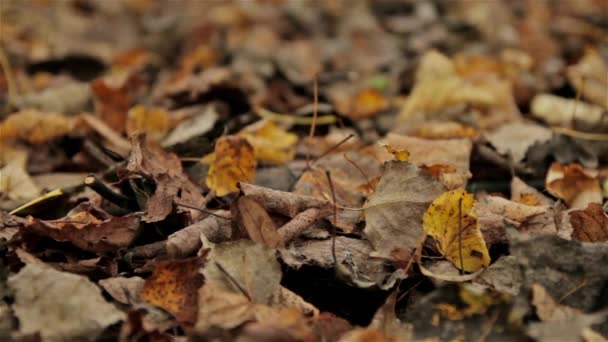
288, 170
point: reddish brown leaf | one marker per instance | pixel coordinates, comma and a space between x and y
254, 219
591, 224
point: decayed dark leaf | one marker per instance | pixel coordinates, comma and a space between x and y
89, 232
60, 306
591, 224
150, 161
256, 222
393, 213
174, 286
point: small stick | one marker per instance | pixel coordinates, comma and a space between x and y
233, 281
104, 191
202, 210
570, 292
460, 235
369, 183
333, 227
314, 119
333, 147
298, 224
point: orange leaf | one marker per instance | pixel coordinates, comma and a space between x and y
234, 162
153, 121
35, 126
174, 286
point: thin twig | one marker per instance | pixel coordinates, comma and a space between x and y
314, 120
369, 183
333, 147
333, 228
570, 292
233, 281
104, 191
201, 210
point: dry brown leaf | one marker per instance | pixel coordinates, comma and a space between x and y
445, 130
574, 184
154, 122
393, 213
16, 183
234, 162
89, 232
151, 161
35, 126
548, 309
367, 103
590, 225
60, 306
253, 219
525, 194
450, 221
174, 286
111, 104
366, 335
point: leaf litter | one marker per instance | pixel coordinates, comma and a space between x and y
295, 171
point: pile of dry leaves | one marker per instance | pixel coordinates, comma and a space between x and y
304, 170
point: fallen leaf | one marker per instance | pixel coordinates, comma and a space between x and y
154, 122
270, 143
254, 220
454, 153
197, 125
152, 162
174, 286
450, 221
35, 127
549, 310
366, 335
400, 155
234, 162
60, 306
515, 138
393, 213
85, 230
111, 103
123, 290
574, 184
590, 225
247, 266
503, 276
445, 130
16, 183
588, 76
525, 194
558, 111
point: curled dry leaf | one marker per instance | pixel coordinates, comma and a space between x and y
574, 184
35, 127
152, 121
256, 222
234, 162
525, 194
400, 155
450, 221
89, 232
197, 125
590, 225
60, 306
152, 162
393, 213
174, 286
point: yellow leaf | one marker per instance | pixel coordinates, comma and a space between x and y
35, 126
270, 143
234, 162
449, 220
153, 121
401, 155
